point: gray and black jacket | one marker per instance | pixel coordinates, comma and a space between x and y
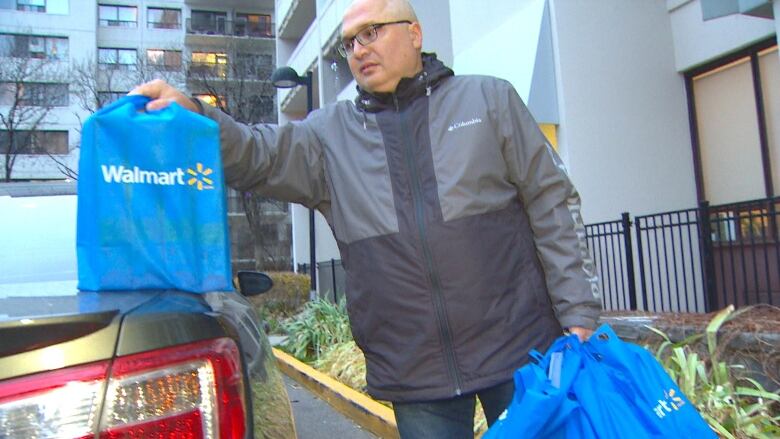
458, 228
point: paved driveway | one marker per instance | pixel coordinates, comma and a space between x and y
316, 419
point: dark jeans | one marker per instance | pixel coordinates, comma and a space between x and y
451, 418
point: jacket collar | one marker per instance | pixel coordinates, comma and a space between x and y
409, 89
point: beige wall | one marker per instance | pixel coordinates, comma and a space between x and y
769, 64
728, 135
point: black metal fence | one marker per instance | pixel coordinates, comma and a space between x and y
610, 244
692, 260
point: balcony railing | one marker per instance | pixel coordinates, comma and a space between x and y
207, 70
117, 23
202, 70
231, 28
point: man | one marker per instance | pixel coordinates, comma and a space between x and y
458, 229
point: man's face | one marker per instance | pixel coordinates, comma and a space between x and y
380, 65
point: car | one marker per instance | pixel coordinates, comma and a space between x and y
77, 364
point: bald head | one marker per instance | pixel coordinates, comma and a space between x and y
389, 9
390, 47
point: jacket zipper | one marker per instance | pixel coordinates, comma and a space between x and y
438, 296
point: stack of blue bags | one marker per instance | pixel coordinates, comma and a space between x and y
602, 388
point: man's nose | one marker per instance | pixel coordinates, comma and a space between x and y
358, 50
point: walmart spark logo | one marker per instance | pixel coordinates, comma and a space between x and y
200, 177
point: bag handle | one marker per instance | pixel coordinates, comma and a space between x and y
138, 102
536, 355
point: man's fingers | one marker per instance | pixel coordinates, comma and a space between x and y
158, 104
152, 89
582, 333
161, 95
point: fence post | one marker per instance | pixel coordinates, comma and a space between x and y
629, 249
333, 279
640, 253
707, 266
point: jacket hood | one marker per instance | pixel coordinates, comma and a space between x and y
433, 72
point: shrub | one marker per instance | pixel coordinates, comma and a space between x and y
735, 407
287, 298
319, 326
345, 363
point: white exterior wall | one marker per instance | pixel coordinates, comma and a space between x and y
623, 115
436, 19
776, 11
499, 39
697, 41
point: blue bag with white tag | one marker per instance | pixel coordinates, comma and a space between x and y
623, 388
543, 406
151, 201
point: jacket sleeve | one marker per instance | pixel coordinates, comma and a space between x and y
553, 207
280, 162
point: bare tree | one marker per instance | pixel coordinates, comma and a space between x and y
95, 85
237, 81
29, 89
268, 219
90, 86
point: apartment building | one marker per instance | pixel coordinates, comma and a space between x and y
653, 105
97, 51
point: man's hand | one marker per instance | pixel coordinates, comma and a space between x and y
582, 333
162, 94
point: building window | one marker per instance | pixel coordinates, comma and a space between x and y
34, 94
214, 101
209, 64
33, 46
253, 25
254, 66
108, 97
161, 18
165, 59
117, 16
112, 58
35, 142
725, 90
208, 22
31, 5
262, 105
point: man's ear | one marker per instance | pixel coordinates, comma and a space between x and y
416, 33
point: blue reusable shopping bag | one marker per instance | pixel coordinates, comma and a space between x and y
151, 201
543, 406
606, 388
651, 403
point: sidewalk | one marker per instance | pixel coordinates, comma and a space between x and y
316, 419
370, 415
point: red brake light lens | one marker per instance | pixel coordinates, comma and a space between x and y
188, 391
61, 403
198, 384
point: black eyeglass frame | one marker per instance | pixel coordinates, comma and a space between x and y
373, 29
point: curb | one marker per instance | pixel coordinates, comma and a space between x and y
364, 411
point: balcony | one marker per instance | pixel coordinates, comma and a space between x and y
207, 70
230, 28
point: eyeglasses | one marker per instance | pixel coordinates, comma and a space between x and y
365, 36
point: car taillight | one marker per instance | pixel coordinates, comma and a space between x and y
62, 403
188, 391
